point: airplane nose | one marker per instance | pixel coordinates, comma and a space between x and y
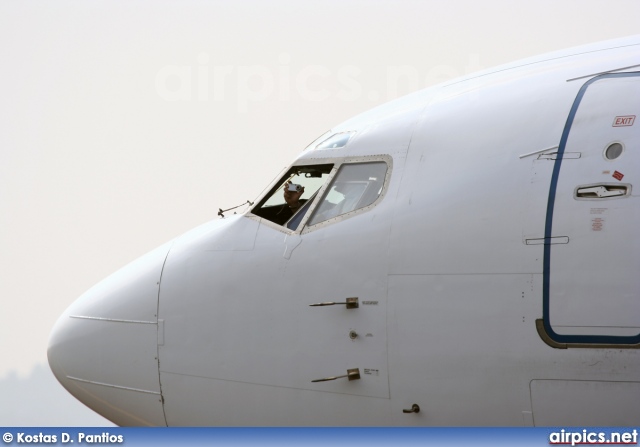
104, 347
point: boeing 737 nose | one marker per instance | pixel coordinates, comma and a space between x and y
104, 348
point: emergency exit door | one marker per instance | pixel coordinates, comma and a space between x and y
592, 282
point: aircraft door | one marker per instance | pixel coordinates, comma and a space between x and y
592, 281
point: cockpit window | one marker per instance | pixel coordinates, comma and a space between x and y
336, 141
355, 186
278, 206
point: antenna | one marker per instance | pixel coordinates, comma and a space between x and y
221, 211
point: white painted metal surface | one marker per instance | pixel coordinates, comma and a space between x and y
488, 294
103, 349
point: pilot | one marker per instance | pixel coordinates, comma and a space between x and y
291, 206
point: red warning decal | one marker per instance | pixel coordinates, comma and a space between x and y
625, 120
597, 224
617, 175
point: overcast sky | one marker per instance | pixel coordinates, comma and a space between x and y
125, 124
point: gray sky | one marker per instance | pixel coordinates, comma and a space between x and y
124, 124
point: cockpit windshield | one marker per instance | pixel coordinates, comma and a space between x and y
355, 186
288, 198
310, 195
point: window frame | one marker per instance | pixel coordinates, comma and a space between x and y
318, 197
355, 211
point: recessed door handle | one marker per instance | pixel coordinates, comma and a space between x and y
601, 191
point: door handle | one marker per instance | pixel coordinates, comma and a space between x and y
601, 191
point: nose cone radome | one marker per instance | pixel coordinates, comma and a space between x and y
104, 348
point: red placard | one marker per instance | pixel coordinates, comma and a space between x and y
624, 120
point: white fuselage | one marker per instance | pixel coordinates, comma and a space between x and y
497, 274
